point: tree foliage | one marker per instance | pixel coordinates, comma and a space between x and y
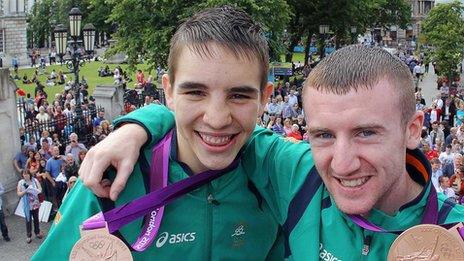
46, 14
144, 27
39, 22
385, 13
146, 30
443, 30
341, 15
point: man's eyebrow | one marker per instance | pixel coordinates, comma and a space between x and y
201, 86
315, 130
244, 89
192, 85
369, 126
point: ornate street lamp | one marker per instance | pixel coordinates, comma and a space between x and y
77, 56
89, 37
61, 38
75, 19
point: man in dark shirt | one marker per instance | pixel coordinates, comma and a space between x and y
19, 161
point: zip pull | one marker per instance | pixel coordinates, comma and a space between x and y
366, 246
213, 201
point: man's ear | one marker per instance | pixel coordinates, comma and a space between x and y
168, 91
265, 94
414, 130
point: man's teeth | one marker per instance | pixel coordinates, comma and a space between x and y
215, 140
353, 182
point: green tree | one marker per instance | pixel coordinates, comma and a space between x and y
385, 13
146, 30
443, 29
62, 8
48, 13
341, 15
273, 15
300, 25
39, 28
99, 12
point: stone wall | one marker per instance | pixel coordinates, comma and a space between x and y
9, 140
15, 39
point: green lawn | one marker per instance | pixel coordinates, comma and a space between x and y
89, 70
297, 57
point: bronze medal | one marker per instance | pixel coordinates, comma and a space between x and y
427, 242
99, 244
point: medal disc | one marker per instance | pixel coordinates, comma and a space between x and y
427, 242
100, 246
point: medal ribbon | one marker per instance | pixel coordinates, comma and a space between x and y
153, 203
430, 217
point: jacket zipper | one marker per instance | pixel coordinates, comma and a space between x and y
366, 245
209, 217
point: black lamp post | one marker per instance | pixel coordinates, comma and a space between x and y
323, 31
88, 40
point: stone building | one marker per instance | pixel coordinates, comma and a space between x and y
405, 39
420, 9
13, 40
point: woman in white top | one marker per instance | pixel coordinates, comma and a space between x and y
28, 189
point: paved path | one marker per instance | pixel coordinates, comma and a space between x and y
429, 86
17, 249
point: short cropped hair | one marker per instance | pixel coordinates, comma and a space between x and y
435, 161
226, 26
355, 67
441, 179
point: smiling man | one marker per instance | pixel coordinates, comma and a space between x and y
364, 132
217, 86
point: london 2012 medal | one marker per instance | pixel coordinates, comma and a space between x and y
99, 244
427, 242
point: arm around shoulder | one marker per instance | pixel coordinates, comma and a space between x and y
156, 120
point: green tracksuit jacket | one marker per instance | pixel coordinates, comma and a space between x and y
223, 220
314, 228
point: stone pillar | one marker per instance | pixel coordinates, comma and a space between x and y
110, 97
14, 27
9, 140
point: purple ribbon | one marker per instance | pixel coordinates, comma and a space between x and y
154, 202
430, 217
150, 228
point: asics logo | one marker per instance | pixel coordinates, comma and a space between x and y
162, 239
165, 237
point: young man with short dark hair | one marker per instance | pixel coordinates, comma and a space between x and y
218, 59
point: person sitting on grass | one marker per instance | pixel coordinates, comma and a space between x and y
26, 80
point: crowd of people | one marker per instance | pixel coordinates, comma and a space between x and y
443, 140
47, 172
443, 132
51, 151
283, 113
